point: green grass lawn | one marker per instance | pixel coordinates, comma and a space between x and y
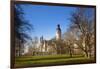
32, 61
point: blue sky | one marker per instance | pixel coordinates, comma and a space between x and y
44, 19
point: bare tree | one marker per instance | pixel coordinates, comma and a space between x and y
84, 22
22, 27
69, 39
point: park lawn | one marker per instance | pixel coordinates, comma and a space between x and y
33, 61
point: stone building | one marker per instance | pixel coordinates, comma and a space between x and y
49, 46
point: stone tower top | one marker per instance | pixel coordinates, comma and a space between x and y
58, 27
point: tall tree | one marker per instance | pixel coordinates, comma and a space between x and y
22, 27
83, 20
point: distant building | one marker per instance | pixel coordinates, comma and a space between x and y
48, 46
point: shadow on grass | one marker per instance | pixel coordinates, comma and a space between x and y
51, 61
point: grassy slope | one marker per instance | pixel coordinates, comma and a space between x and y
49, 60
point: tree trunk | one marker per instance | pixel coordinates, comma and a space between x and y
70, 51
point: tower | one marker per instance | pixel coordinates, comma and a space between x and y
41, 39
58, 32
